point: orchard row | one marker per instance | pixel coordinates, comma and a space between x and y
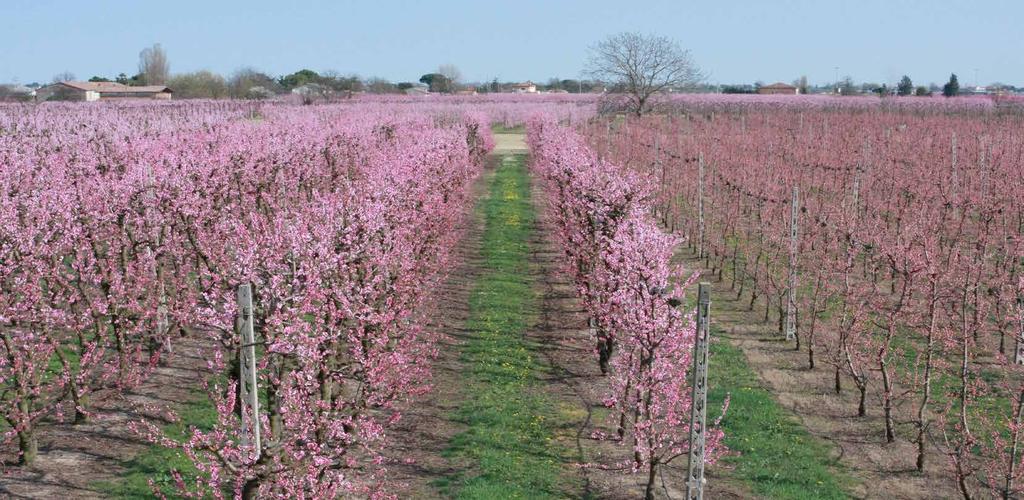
125, 229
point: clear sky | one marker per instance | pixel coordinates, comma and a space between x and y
735, 41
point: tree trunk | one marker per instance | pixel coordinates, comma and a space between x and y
604, 354
652, 473
922, 409
28, 446
890, 426
251, 489
861, 409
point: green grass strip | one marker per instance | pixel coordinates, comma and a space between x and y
778, 458
509, 445
156, 462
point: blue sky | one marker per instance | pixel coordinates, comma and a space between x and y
734, 41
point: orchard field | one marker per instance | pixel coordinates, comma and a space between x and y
497, 297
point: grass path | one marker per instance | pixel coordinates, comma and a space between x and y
777, 457
509, 440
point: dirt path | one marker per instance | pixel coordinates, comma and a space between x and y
505, 144
809, 394
74, 459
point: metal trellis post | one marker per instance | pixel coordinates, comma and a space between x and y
247, 370
700, 206
1018, 352
698, 408
793, 247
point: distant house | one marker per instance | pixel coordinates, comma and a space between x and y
778, 89
527, 87
96, 91
16, 93
417, 89
466, 91
310, 89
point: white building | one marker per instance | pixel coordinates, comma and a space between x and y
527, 87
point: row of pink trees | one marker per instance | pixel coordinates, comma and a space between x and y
116, 243
908, 262
620, 262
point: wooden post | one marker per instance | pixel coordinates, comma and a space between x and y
700, 206
699, 399
250, 401
793, 247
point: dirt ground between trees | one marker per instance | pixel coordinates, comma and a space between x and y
74, 458
883, 469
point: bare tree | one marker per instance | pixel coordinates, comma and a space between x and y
452, 76
66, 76
153, 65
642, 66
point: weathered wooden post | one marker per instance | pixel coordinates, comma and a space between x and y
699, 398
247, 371
793, 247
700, 206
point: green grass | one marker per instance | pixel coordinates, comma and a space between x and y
157, 462
509, 444
498, 128
777, 458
